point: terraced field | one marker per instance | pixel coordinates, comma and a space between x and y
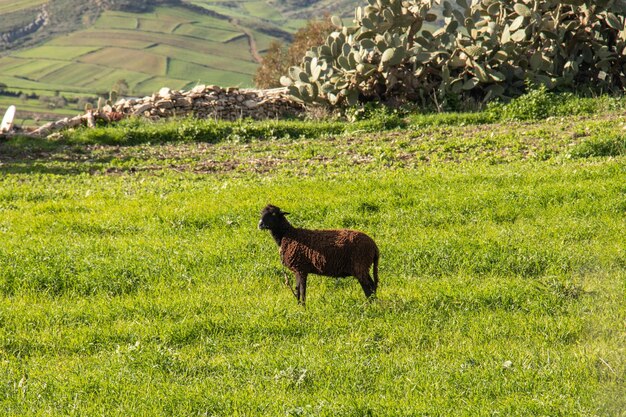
173, 46
204, 42
10, 6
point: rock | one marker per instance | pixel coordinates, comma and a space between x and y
251, 104
164, 104
201, 101
75, 121
199, 89
142, 108
165, 92
185, 102
90, 119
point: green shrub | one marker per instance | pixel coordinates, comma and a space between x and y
606, 146
485, 50
539, 103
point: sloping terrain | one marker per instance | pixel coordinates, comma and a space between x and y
75, 48
171, 46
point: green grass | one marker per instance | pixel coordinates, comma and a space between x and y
96, 38
128, 59
226, 65
203, 32
35, 70
134, 280
64, 53
261, 9
9, 6
158, 25
117, 21
204, 75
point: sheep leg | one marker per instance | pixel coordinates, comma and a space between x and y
367, 283
301, 287
288, 284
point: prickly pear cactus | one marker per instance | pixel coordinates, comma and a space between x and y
483, 50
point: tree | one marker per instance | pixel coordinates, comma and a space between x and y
121, 87
279, 58
272, 67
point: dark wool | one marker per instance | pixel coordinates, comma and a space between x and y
333, 253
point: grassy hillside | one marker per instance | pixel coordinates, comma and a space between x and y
12, 6
147, 50
134, 280
86, 48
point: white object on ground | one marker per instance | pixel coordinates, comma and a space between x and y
7, 120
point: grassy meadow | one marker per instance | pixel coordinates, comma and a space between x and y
133, 279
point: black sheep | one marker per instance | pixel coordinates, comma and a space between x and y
333, 253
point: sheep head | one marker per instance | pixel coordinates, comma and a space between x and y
272, 218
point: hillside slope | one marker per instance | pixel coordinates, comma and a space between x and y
175, 45
55, 55
77, 46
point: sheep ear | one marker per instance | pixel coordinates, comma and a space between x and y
284, 212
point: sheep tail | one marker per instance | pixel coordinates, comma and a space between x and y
375, 271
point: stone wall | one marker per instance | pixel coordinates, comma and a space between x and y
201, 102
212, 102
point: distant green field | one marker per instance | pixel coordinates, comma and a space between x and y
237, 12
8, 6
137, 48
155, 83
204, 32
21, 84
263, 41
158, 25
261, 9
65, 53
37, 70
182, 69
101, 38
220, 63
128, 59
117, 21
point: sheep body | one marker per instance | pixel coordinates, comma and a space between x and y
334, 253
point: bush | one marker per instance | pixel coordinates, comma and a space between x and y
278, 58
485, 50
539, 103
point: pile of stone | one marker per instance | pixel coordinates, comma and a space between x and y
202, 102
213, 102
